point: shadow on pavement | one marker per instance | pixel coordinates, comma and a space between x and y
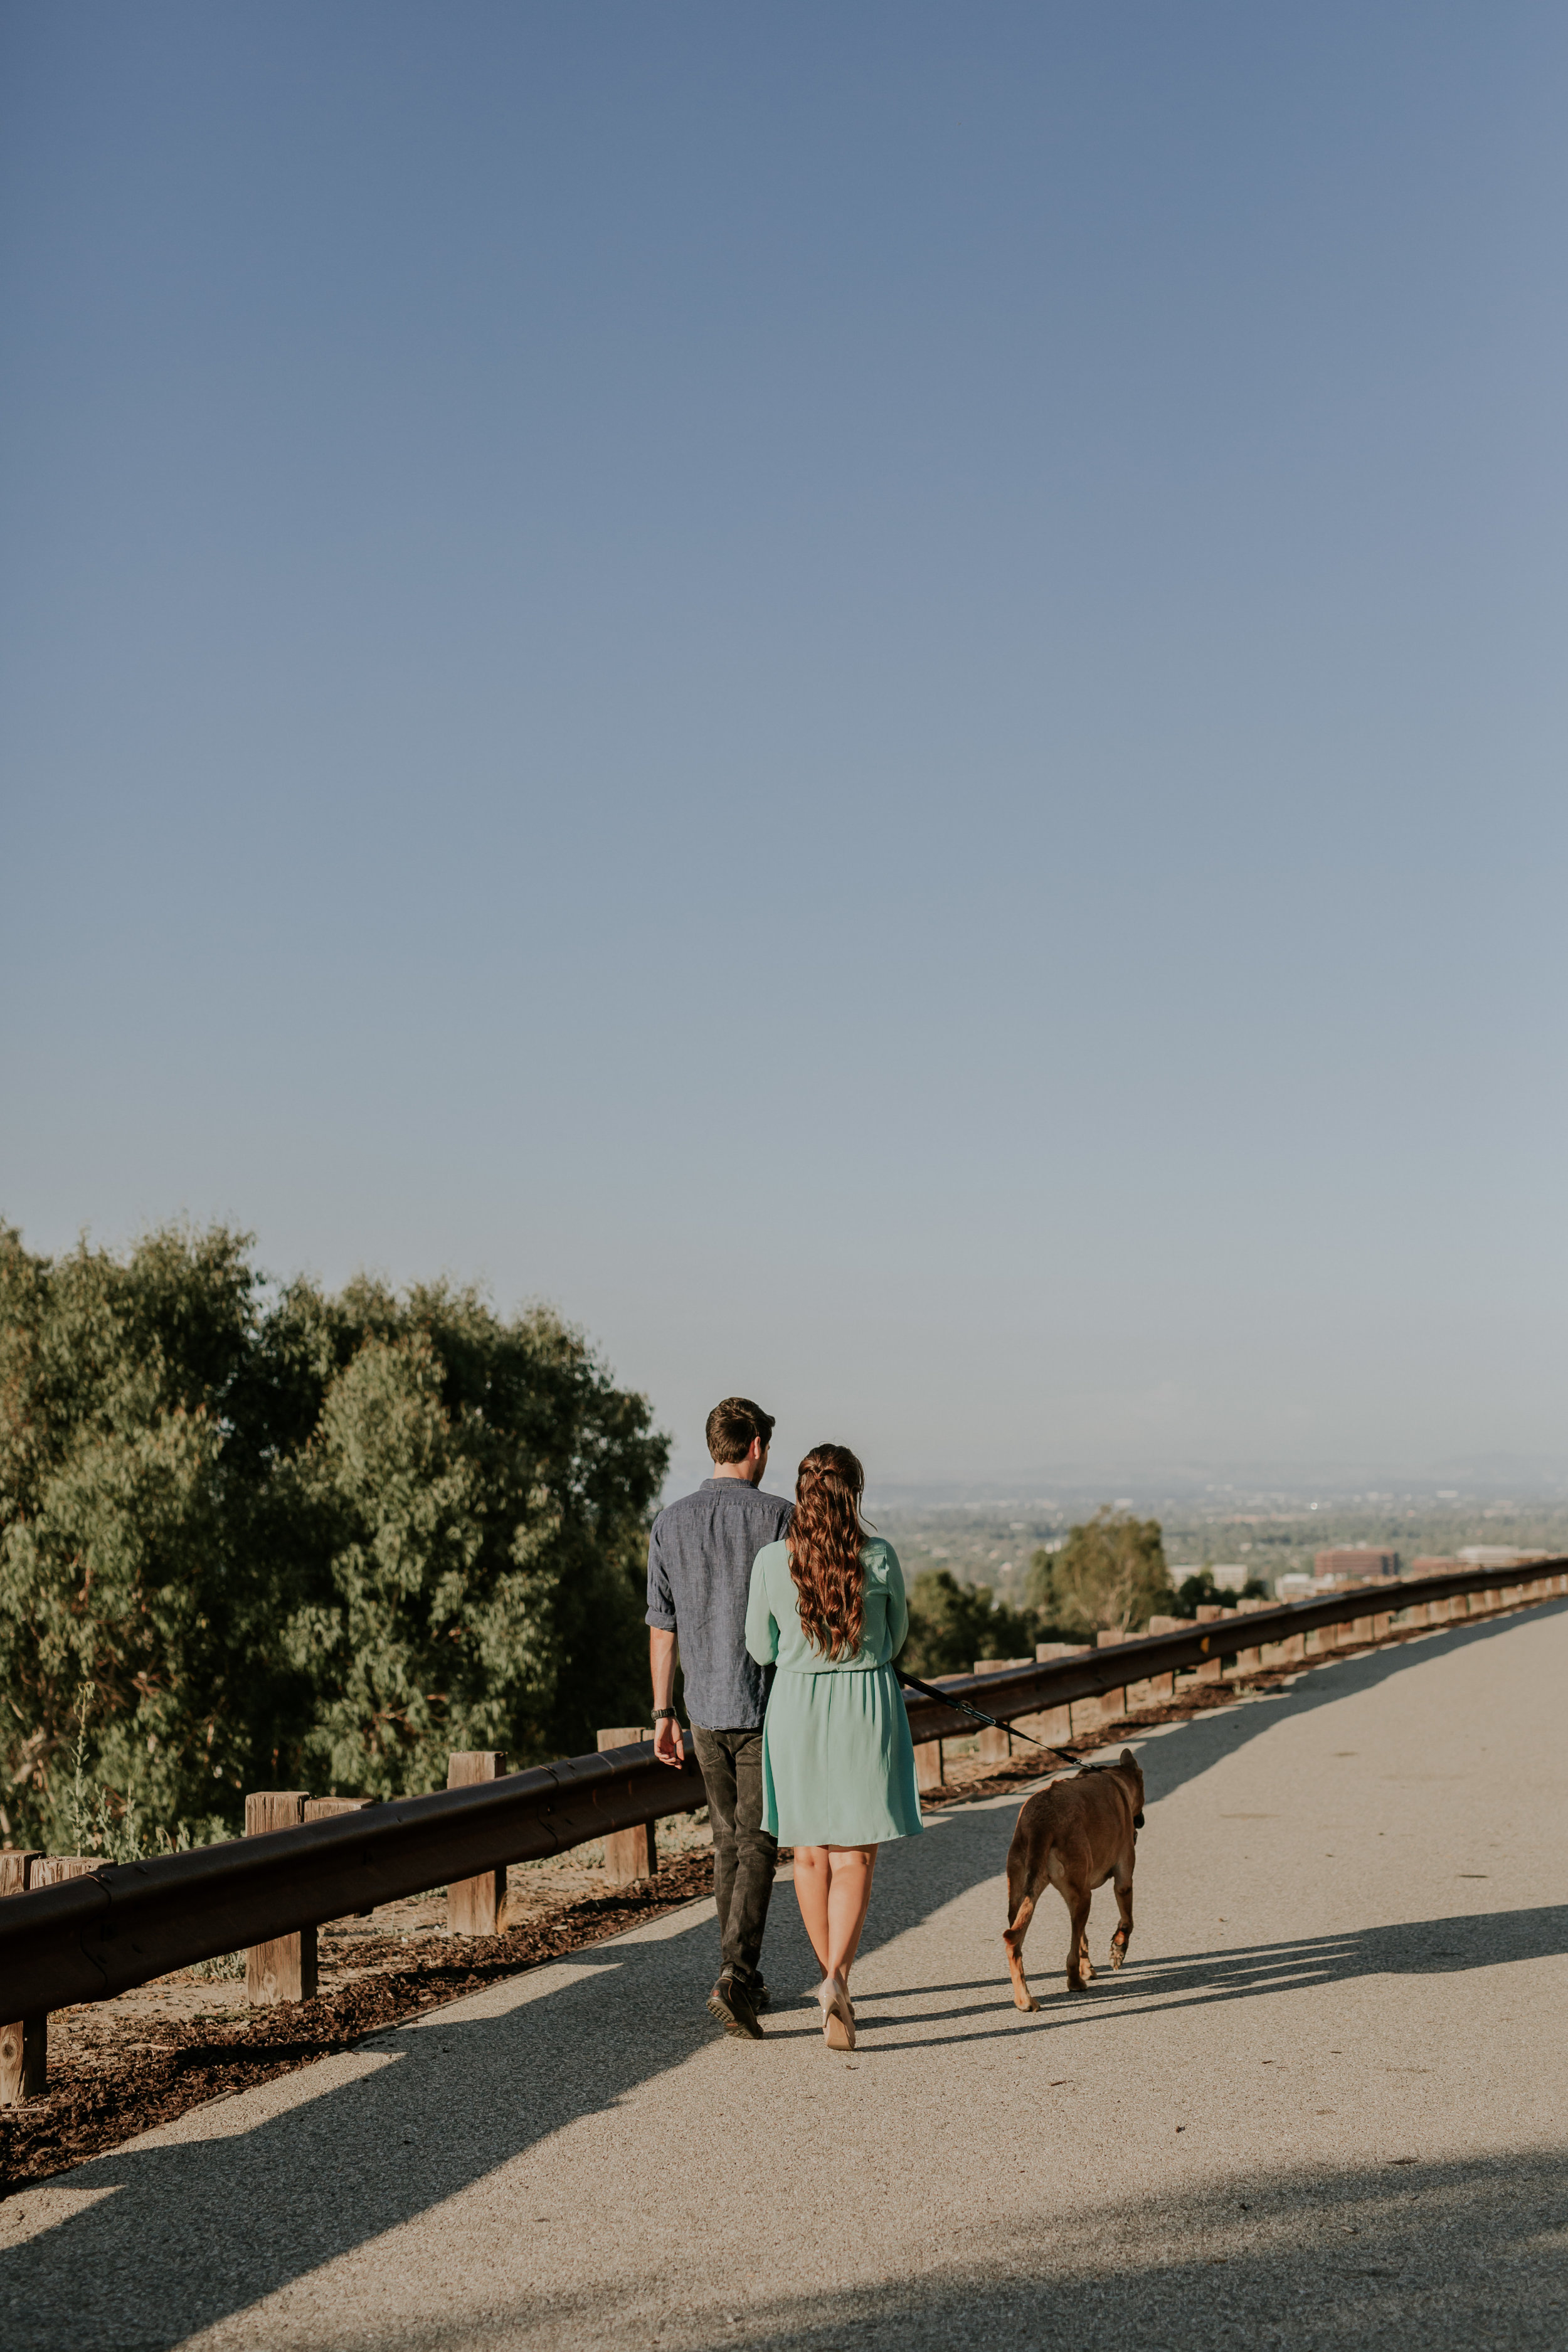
182, 2235
1448, 1946
1410, 2255
193, 2232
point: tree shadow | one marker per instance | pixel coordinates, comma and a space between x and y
1433, 2257
1417, 2256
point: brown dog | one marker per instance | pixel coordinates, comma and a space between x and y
1074, 1836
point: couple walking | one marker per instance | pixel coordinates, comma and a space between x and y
788, 1617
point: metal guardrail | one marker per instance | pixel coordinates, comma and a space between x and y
128, 1922
1026, 1690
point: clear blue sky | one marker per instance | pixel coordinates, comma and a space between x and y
875, 693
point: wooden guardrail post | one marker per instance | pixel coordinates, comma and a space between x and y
283, 1968
1209, 1613
474, 1906
1248, 1662
1161, 1687
629, 1855
1226, 1613
322, 1809
25, 2042
1052, 1723
928, 1765
995, 1747
54, 1869
1110, 1703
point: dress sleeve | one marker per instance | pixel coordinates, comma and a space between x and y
660, 1599
761, 1625
898, 1603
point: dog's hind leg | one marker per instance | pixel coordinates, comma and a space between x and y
1017, 1928
1123, 1936
1020, 1911
1079, 1964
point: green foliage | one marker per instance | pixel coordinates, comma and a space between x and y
1200, 1592
292, 1540
953, 1625
1109, 1575
1193, 1593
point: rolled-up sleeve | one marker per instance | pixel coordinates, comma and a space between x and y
660, 1599
898, 1605
761, 1625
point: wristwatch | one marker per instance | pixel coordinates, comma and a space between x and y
663, 1714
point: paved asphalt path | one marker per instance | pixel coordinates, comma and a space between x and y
1323, 2104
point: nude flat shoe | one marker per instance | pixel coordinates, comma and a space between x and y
838, 2016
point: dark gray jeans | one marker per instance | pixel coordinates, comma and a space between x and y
744, 1856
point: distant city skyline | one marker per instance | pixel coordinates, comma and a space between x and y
875, 697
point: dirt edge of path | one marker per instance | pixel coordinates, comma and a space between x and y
120, 2079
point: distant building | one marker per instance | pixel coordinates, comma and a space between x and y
1354, 1564
1498, 1556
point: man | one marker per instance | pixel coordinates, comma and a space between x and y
700, 1560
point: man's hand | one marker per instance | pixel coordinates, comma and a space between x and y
668, 1744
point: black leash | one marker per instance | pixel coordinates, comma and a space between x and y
946, 1699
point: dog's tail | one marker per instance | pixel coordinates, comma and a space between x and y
1020, 1895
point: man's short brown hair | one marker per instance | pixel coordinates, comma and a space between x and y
733, 1426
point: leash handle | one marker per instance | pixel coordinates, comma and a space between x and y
946, 1699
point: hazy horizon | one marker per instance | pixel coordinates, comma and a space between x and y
877, 699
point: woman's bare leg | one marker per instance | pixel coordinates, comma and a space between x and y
811, 1894
850, 1875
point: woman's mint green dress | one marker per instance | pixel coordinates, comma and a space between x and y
838, 1764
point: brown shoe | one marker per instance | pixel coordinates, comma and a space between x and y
730, 2002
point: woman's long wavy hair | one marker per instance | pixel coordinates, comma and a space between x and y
825, 1539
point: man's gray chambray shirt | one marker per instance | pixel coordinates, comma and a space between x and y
700, 1560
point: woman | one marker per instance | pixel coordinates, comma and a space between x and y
827, 1607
